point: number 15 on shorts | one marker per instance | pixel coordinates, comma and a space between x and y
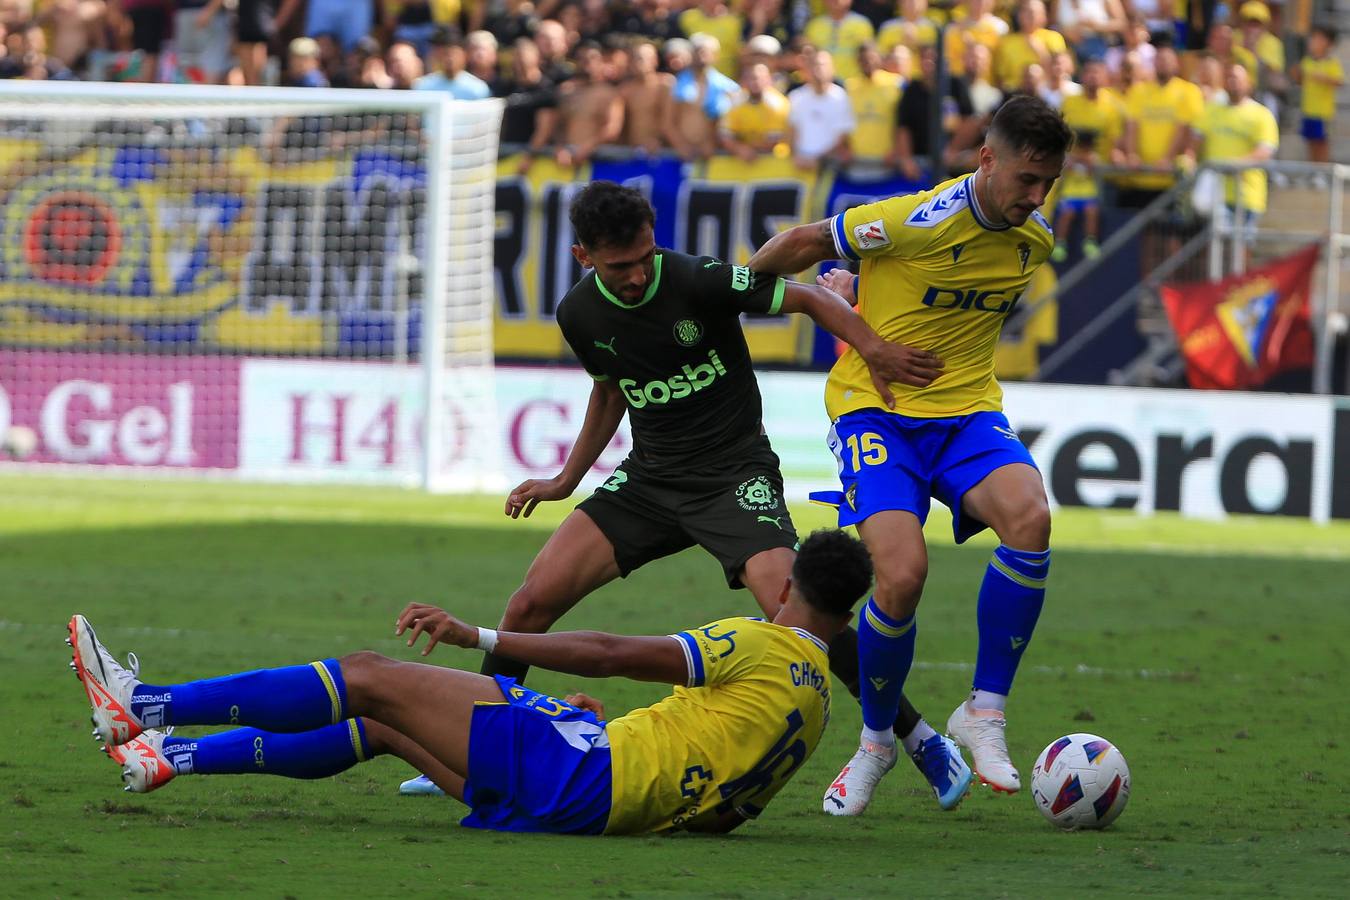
857, 450
866, 449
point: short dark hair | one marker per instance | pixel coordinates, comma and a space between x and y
446, 36
585, 47
1328, 31
832, 570
606, 214
1028, 124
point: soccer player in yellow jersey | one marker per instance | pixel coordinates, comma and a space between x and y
753, 700
1096, 117
940, 272
1321, 74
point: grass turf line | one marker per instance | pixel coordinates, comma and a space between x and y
1206, 651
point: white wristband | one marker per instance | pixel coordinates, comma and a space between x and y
487, 639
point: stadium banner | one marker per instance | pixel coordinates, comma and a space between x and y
1198, 453
116, 409
229, 248
325, 420
724, 208
1238, 333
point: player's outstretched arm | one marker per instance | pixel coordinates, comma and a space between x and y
604, 412
890, 363
591, 654
793, 250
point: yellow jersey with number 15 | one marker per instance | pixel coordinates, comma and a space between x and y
757, 701
937, 275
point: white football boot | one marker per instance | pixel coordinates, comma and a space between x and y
421, 786
852, 790
981, 731
144, 766
107, 684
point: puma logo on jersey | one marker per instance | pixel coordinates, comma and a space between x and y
777, 523
610, 346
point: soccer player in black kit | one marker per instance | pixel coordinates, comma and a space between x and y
660, 334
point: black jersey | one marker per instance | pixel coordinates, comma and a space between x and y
678, 355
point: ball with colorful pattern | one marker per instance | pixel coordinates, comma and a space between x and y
1080, 781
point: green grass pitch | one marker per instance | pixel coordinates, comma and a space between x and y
1213, 654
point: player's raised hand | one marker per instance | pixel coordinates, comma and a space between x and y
587, 702
438, 625
841, 282
528, 494
892, 363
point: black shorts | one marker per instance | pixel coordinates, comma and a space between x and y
149, 28
1136, 198
734, 514
254, 22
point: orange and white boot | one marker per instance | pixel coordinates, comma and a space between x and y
144, 766
106, 682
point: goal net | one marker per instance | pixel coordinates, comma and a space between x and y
272, 284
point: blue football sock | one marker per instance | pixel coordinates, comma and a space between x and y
885, 654
310, 754
1010, 603
295, 698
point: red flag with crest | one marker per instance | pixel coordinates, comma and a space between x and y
1240, 332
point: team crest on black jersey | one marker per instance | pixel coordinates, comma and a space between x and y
1023, 255
688, 332
757, 494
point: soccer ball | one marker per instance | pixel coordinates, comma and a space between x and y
1080, 781
20, 442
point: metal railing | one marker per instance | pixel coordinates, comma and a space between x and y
1328, 312
1224, 246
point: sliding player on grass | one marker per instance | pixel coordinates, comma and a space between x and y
941, 270
660, 334
706, 758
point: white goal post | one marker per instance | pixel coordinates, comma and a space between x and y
270, 284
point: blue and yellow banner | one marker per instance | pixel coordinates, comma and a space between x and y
126, 244
137, 246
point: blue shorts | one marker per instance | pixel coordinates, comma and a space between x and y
346, 22
1313, 129
537, 764
1078, 204
893, 462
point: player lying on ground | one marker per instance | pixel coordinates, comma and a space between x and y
705, 759
940, 270
660, 333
